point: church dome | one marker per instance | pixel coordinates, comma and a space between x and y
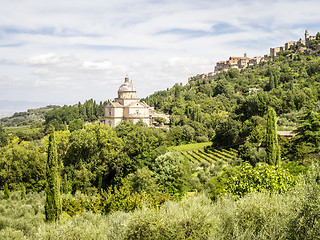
127, 86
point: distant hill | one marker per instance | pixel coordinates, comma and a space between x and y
28, 117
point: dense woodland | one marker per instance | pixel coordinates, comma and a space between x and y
241, 180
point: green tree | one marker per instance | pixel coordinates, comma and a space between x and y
53, 200
271, 82
6, 191
143, 180
172, 172
66, 184
260, 178
307, 140
23, 192
272, 146
22, 163
227, 133
76, 124
245, 178
3, 136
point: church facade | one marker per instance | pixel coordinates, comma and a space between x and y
127, 107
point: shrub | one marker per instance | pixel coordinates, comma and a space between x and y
191, 218
255, 216
306, 222
21, 217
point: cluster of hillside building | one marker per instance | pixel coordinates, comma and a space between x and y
300, 45
243, 62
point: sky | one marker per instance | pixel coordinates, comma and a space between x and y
62, 52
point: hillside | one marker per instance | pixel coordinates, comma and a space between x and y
231, 105
28, 117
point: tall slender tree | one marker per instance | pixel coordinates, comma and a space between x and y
272, 148
53, 199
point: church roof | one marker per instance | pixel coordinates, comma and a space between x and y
127, 86
116, 104
144, 103
136, 103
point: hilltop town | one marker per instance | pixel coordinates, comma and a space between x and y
308, 45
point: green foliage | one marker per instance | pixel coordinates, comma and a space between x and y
190, 219
313, 44
123, 199
89, 111
22, 164
172, 172
160, 120
241, 180
142, 144
53, 199
66, 185
227, 133
296, 168
32, 117
272, 146
3, 136
249, 152
306, 222
20, 218
76, 124
94, 151
293, 214
260, 178
79, 203
189, 147
6, 192
254, 216
143, 180
115, 198
23, 192
25, 133
307, 140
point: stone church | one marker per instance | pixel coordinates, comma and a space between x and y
127, 107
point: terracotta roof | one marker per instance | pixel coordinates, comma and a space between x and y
116, 104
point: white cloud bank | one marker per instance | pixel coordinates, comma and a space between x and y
68, 51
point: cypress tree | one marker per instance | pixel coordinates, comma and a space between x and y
66, 185
276, 80
271, 82
6, 191
99, 182
272, 148
53, 200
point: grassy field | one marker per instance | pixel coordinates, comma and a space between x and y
190, 147
196, 153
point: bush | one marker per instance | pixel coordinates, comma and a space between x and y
261, 178
255, 216
86, 226
241, 180
191, 218
306, 222
21, 217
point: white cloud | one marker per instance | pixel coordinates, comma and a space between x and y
52, 59
50, 48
